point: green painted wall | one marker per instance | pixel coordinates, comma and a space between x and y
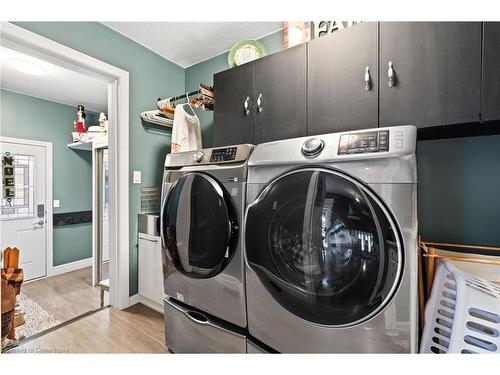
27, 117
459, 190
151, 76
203, 73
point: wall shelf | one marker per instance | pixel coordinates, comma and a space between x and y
86, 146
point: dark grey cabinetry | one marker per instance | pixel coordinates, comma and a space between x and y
436, 71
490, 103
280, 95
339, 98
261, 101
233, 123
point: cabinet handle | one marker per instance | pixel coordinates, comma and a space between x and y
246, 106
259, 103
391, 75
368, 79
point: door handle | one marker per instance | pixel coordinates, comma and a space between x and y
259, 103
246, 106
391, 74
368, 79
39, 223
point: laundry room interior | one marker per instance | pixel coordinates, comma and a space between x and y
251, 187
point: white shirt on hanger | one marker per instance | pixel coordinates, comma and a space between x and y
186, 134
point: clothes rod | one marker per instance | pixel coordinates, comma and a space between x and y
183, 96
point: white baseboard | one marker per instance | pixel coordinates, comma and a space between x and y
73, 266
133, 300
136, 298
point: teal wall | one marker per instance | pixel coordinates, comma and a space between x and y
203, 73
459, 190
151, 76
36, 119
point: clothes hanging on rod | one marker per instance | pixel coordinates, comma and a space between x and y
186, 133
201, 98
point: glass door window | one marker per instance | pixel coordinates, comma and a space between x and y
324, 246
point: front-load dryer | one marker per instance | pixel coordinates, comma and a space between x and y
203, 201
331, 242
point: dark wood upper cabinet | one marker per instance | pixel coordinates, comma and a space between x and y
280, 82
338, 99
437, 75
232, 123
490, 102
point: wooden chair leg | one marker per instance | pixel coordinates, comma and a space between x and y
102, 297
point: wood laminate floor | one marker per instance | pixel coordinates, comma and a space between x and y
65, 296
137, 329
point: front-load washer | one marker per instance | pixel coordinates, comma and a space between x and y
331, 242
203, 201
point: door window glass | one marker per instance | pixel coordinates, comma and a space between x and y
324, 247
22, 205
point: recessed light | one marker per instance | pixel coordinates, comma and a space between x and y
27, 67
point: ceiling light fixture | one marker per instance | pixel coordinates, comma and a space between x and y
27, 67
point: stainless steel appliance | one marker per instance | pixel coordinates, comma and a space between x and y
203, 200
331, 231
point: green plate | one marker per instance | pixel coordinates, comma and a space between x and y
245, 51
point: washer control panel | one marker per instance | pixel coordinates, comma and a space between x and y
359, 143
223, 154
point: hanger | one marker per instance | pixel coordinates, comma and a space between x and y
188, 108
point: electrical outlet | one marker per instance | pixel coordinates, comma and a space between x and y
56, 203
136, 179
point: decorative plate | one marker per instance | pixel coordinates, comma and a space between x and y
245, 51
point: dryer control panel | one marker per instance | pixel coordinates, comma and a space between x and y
359, 143
223, 154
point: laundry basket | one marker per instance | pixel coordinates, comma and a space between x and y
462, 314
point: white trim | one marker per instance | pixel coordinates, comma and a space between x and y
97, 143
134, 300
20, 39
49, 225
73, 266
151, 304
137, 298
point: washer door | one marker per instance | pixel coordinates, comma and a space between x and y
199, 226
324, 246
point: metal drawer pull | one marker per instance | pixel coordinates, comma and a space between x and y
246, 105
259, 103
368, 80
392, 75
196, 317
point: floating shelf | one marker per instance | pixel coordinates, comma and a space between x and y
86, 146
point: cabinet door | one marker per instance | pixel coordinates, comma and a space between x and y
437, 68
232, 124
491, 72
337, 98
280, 81
150, 269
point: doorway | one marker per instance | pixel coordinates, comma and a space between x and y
117, 96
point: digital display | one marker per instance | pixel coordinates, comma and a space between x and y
359, 143
223, 154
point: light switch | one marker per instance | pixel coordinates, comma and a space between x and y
136, 179
56, 203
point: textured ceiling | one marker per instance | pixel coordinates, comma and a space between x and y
188, 43
57, 84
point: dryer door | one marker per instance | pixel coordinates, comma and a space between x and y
199, 226
324, 246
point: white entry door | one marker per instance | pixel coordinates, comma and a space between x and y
22, 221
